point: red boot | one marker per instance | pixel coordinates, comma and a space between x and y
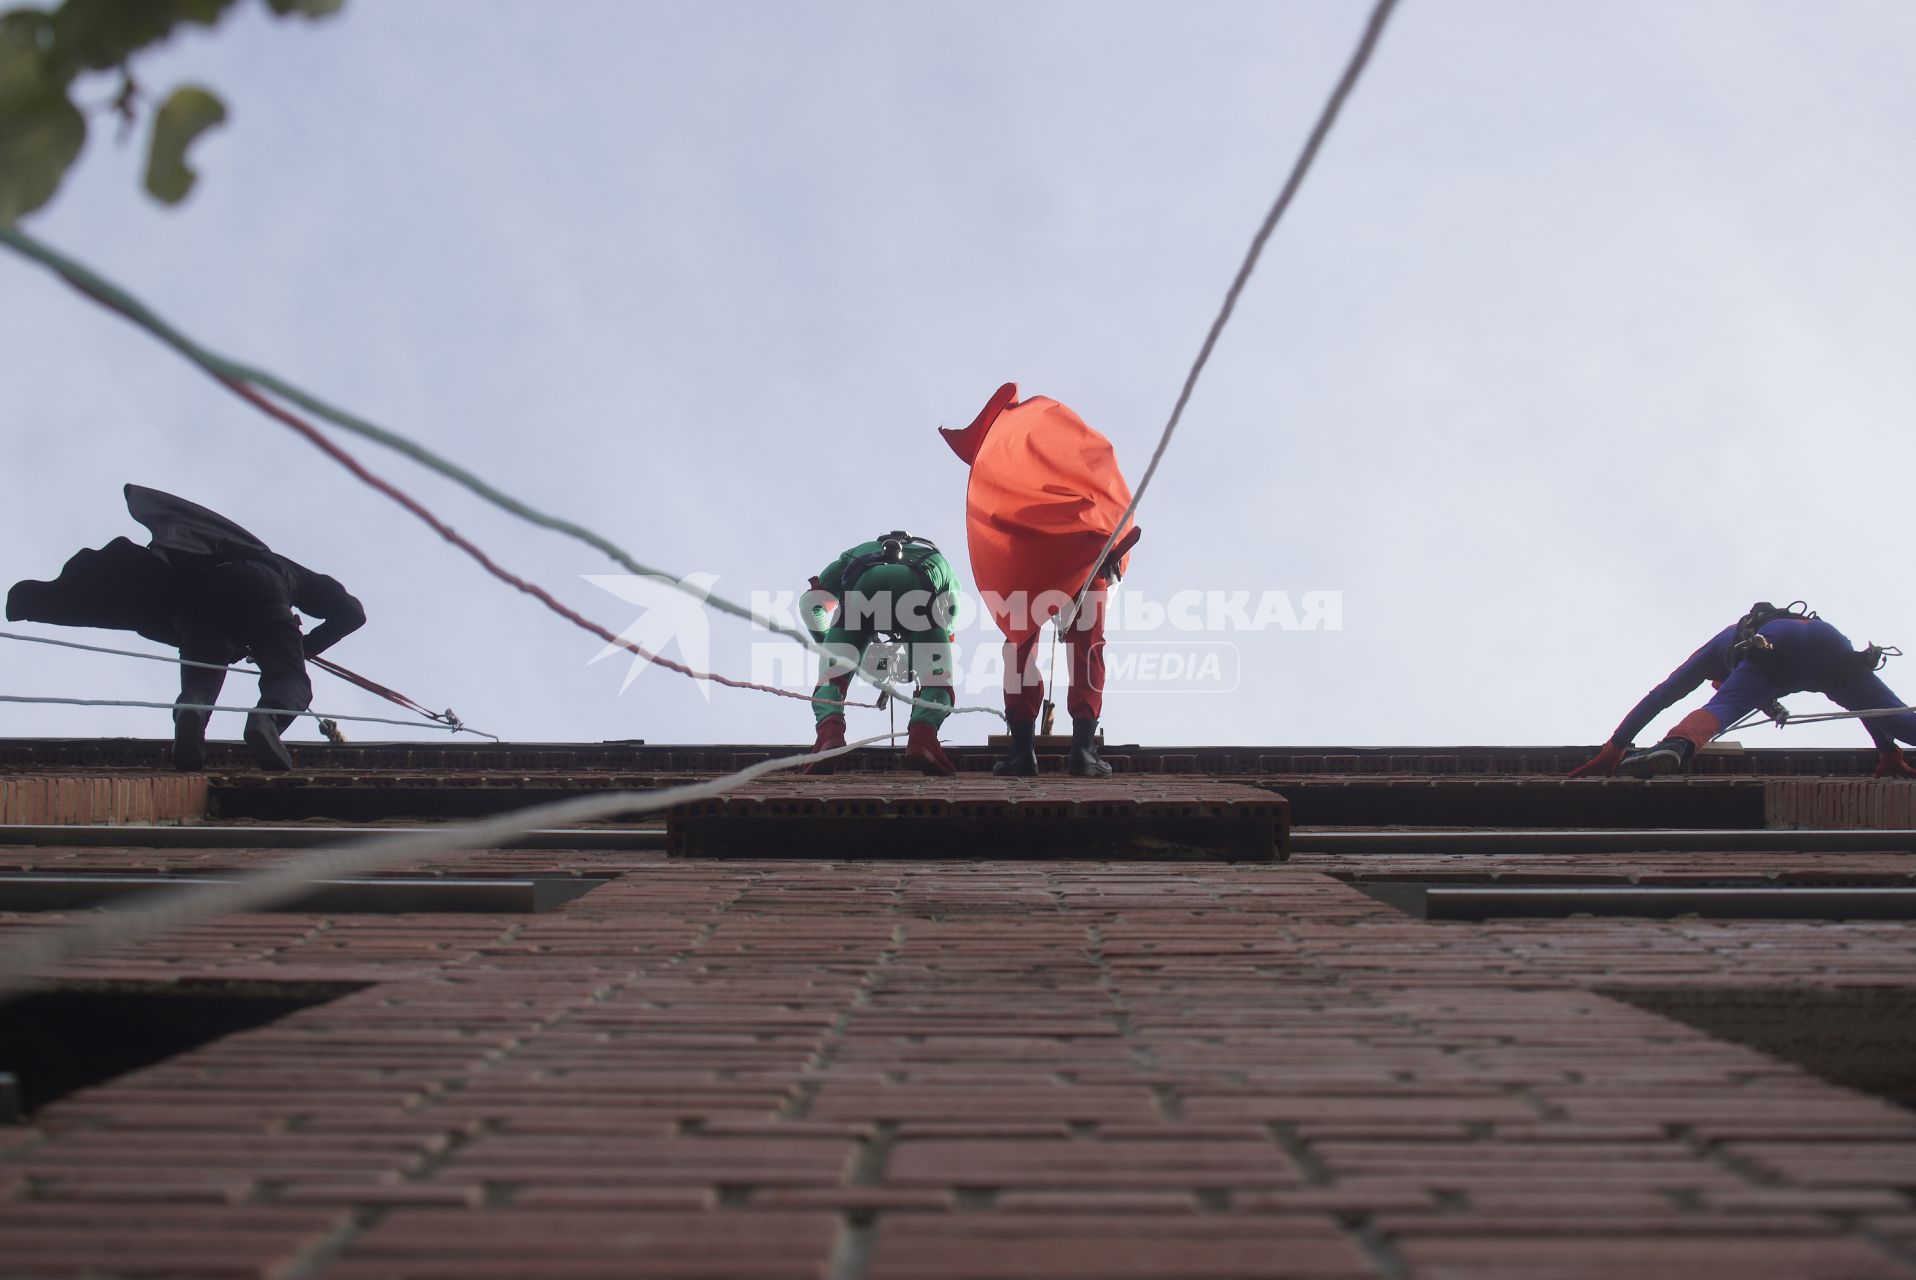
1892, 763
1697, 728
831, 733
923, 753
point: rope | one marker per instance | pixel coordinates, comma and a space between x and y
486, 562
445, 718
127, 653
1871, 714
1373, 30
243, 381
156, 913
330, 667
1747, 718
1049, 707
207, 706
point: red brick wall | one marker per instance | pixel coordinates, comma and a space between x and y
94, 798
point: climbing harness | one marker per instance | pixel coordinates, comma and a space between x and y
1750, 640
900, 548
1874, 657
1751, 643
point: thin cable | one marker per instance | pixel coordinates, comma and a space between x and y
1373, 30
156, 913
1747, 718
444, 719
318, 439
1871, 714
129, 653
207, 706
243, 379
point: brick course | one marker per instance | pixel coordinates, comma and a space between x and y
986, 1069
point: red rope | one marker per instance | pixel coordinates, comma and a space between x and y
373, 686
252, 396
247, 392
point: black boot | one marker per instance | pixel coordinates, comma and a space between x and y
1672, 755
189, 741
1021, 759
1084, 751
262, 735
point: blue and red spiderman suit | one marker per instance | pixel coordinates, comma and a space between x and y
1803, 655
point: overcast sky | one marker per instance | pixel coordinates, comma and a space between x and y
1591, 326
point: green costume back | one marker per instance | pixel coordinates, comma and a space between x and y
887, 592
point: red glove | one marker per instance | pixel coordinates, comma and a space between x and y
1604, 762
1891, 763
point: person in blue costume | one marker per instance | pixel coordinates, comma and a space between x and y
1764, 655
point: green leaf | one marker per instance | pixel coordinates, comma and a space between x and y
187, 112
305, 8
41, 132
101, 34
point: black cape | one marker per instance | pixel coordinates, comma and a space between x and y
126, 587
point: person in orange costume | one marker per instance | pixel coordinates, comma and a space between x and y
1044, 495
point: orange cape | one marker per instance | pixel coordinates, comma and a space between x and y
1045, 493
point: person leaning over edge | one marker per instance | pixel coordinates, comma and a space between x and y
217, 593
900, 586
1765, 654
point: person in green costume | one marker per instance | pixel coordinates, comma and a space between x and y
898, 586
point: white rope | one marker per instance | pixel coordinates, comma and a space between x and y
1747, 718
1871, 714
206, 706
259, 382
1326, 118
156, 913
213, 666
127, 653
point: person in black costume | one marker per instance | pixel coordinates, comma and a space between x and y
218, 593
